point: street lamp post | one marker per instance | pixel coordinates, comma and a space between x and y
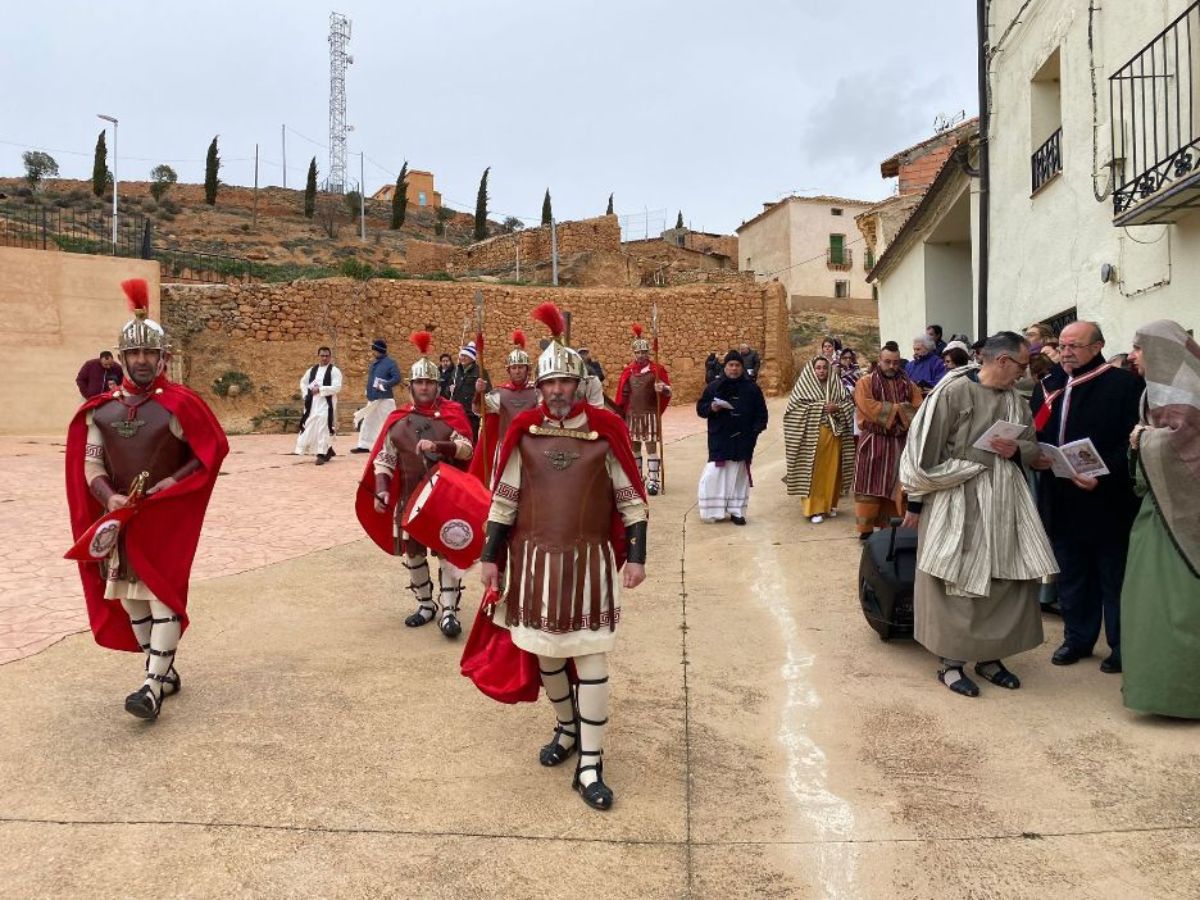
114, 211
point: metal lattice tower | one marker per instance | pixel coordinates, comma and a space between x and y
339, 59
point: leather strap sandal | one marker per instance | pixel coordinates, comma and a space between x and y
143, 704
554, 753
962, 685
1001, 677
597, 795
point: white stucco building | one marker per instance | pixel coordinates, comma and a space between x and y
1095, 179
811, 244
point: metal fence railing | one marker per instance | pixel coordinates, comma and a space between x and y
34, 226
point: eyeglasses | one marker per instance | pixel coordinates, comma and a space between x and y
1020, 365
1077, 346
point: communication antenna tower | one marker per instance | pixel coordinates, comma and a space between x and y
339, 59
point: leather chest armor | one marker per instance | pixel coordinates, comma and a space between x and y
410, 466
643, 399
150, 447
513, 403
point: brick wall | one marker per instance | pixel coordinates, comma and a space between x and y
271, 332
918, 174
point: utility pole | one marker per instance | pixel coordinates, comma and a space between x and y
362, 198
517, 243
283, 145
984, 237
553, 252
255, 216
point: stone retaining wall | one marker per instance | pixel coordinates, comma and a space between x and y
271, 331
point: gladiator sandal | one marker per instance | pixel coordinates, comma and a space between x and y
449, 624
171, 682
653, 466
142, 702
426, 607
597, 795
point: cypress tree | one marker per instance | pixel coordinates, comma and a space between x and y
609, 211
547, 213
212, 163
481, 201
679, 220
400, 197
100, 166
310, 190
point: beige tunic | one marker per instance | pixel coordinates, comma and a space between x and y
1008, 620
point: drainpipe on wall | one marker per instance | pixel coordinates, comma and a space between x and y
981, 292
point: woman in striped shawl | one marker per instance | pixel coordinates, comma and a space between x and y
817, 433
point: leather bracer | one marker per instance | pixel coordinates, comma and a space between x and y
635, 542
495, 541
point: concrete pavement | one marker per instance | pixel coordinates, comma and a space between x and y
764, 743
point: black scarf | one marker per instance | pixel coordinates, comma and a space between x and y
308, 397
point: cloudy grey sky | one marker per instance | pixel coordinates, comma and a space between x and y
709, 107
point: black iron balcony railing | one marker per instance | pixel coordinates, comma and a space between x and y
1047, 161
1155, 113
839, 258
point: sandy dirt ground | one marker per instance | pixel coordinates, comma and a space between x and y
764, 742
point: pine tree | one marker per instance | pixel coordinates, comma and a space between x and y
212, 163
400, 197
609, 211
547, 212
100, 166
679, 220
310, 190
481, 202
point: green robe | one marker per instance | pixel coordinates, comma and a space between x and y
1160, 619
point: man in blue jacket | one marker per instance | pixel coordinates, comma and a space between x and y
382, 378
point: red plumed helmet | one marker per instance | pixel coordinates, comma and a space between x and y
422, 340
518, 338
637, 329
550, 316
137, 294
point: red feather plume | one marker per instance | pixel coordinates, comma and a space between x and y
518, 338
637, 329
550, 316
422, 340
137, 293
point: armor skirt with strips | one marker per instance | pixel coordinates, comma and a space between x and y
562, 602
643, 427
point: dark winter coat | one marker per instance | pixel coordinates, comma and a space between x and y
732, 433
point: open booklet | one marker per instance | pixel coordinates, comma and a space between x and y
1008, 431
1076, 458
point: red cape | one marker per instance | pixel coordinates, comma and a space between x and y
161, 537
378, 526
609, 426
663, 399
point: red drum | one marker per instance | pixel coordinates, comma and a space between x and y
447, 513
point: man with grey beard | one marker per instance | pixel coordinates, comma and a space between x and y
567, 528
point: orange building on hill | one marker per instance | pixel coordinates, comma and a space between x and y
420, 190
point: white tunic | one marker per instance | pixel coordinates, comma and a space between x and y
316, 436
724, 490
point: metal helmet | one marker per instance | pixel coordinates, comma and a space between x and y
423, 369
640, 344
141, 332
559, 361
518, 356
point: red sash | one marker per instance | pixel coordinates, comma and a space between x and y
1043, 415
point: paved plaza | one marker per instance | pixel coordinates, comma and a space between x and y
764, 743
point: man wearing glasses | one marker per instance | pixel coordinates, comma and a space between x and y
1089, 519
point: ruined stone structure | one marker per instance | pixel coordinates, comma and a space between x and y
271, 332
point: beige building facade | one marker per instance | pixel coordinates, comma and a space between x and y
60, 310
811, 245
1095, 183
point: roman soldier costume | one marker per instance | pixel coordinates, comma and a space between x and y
568, 511
643, 392
502, 405
394, 471
142, 460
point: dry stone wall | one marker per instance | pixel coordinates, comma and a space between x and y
270, 332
